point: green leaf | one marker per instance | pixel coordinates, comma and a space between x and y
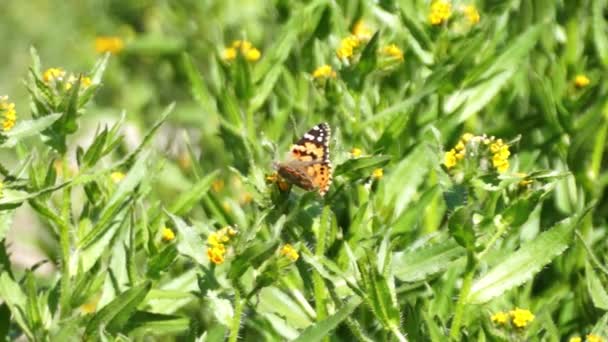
522, 265
116, 314
361, 167
16, 300
320, 330
189, 242
143, 322
460, 225
599, 28
186, 200
598, 293
27, 128
419, 263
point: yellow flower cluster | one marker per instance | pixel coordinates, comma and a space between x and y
275, 178
458, 152
9, 115
589, 338
289, 252
581, 81
441, 10
520, 317
356, 152
246, 49
500, 155
167, 235
348, 47
361, 30
216, 249
393, 51
471, 13
54, 75
323, 72
111, 44
378, 173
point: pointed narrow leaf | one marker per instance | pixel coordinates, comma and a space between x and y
318, 331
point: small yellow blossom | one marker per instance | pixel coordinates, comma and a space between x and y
581, 81
275, 178
575, 339
253, 55
378, 173
356, 152
500, 155
167, 234
594, 338
471, 13
459, 146
324, 71
53, 74
90, 306
524, 181
521, 317
217, 185
245, 198
347, 47
290, 252
467, 136
500, 317
361, 30
85, 82
9, 115
109, 44
441, 10
449, 159
117, 176
216, 255
393, 51
245, 48
229, 54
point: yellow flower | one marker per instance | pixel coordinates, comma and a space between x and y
216, 254
90, 306
167, 234
501, 165
441, 10
467, 136
229, 54
361, 30
459, 146
449, 159
245, 198
500, 317
521, 317
471, 13
324, 71
253, 55
7, 110
290, 252
53, 74
378, 173
594, 338
246, 49
581, 81
393, 51
117, 176
348, 46
356, 152
109, 44
85, 82
523, 182
575, 339
217, 185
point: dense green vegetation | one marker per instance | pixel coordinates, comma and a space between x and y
140, 142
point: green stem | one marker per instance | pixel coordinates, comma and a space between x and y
236, 320
464, 293
317, 279
64, 241
499, 231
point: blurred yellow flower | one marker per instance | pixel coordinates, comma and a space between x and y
500, 155
111, 44
216, 241
500, 317
441, 10
9, 115
466, 137
290, 252
521, 317
217, 185
117, 176
216, 255
594, 338
356, 152
449, 159
167, 234
52, 74
361, 30
347, 47
581, 81
324, 71
246, 49
85, 82
575, 339
471, 13
393, 51
378, 173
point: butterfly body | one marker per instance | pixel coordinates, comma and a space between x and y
307, 164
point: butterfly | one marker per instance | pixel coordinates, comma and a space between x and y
307, 164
